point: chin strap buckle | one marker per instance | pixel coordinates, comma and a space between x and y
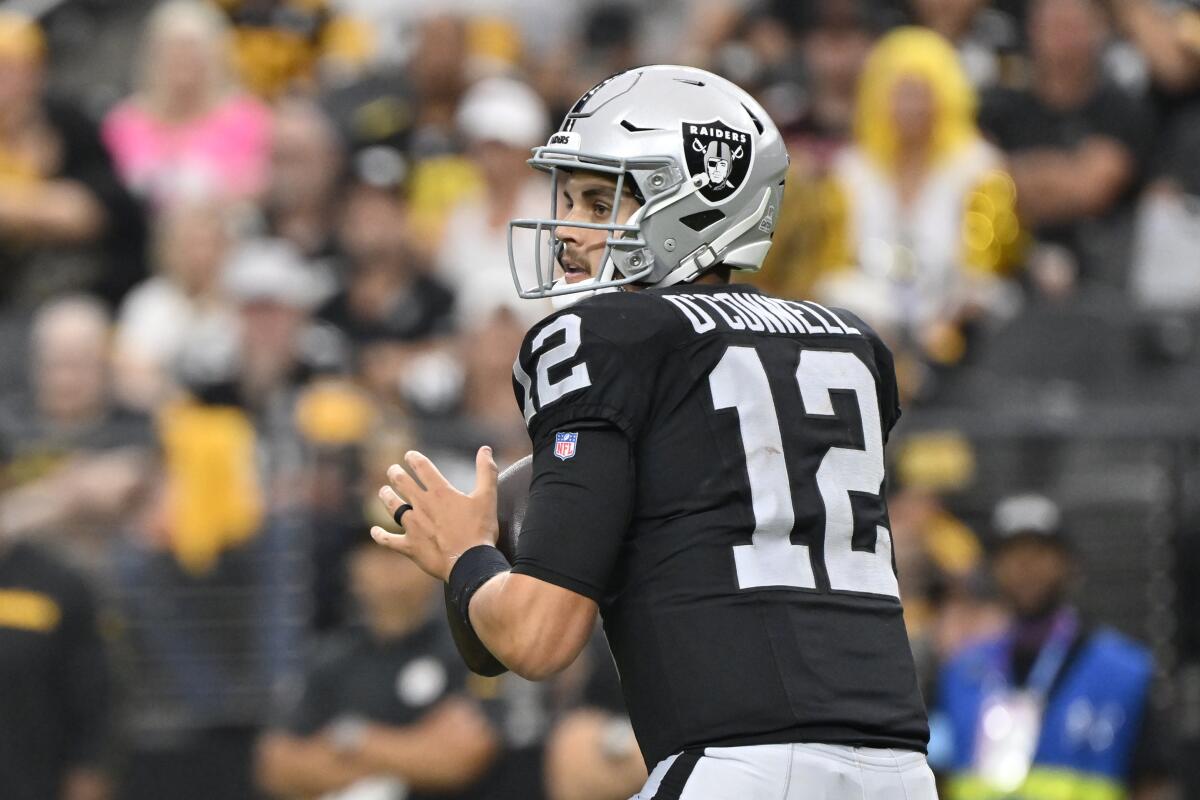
692, 265
700, 259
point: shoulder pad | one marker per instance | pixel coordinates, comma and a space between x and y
627, 318
596, 360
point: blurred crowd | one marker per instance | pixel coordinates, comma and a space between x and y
253, 250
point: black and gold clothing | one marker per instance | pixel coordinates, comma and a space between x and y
68, 148
393, 682
54, 703
278, 44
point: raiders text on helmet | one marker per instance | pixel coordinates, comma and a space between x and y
701, 154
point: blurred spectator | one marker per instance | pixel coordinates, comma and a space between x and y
591, 754
986, 38
55, 710
276, 294
1168, 225
377, 109
948, 603
1163, 275
761, 56
187, 131
196, 615
947, 600
604, 44
481, 409
437, 71
182, 312
501, 120
703, 26
214, 576
76, 457
441, 177
1168, 37
390, 307
489, 345
281, 46
604, 38
1054, 707
834, 50
354, 441
802, 17
303, 190
383, 713
66, 223
566, 738
922, 228
1076, 142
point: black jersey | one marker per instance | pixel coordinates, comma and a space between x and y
752, 597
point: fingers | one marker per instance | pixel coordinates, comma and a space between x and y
486, 472
391, 500
393, 541
406, 486
429, 475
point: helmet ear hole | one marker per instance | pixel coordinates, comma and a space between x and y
703, 219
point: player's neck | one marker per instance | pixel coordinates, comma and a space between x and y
717, 276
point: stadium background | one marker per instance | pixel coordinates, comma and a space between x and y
276, 260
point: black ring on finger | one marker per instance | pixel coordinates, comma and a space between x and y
398, 515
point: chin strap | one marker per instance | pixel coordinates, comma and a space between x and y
561, 301
708, 255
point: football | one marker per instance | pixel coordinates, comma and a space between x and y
512, 495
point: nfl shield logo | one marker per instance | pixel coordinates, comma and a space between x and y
564, 445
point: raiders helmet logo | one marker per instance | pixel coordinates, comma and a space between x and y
721, 154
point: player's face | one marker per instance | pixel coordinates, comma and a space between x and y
1032, 575
587, 197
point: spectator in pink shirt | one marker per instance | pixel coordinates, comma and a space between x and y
188, 130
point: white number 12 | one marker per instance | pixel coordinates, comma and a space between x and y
739, 381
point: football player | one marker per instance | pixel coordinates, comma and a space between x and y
708, 469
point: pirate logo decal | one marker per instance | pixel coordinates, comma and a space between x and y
721, 154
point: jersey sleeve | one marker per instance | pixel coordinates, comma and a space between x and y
593, 362
579, 510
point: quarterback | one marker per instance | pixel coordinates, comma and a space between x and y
708, 469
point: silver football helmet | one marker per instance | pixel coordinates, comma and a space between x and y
703, 158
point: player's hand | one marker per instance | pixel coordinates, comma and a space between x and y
443, 523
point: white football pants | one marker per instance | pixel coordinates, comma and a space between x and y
792, 772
